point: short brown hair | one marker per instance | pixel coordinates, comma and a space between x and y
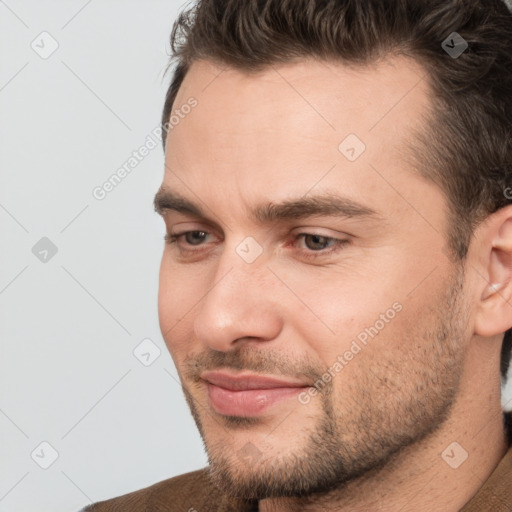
466, 146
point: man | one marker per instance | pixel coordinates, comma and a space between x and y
335, 287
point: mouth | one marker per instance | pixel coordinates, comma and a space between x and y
248, 394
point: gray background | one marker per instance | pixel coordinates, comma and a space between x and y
70, 322
68, 326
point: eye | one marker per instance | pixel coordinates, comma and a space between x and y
317, 242
313, 246
308, 245
191, 238
195, 237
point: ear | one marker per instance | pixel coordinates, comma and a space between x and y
494, 247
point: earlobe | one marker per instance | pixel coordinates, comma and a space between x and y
492, 288
499, 269
494, 314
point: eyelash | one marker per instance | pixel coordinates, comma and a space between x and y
306, 253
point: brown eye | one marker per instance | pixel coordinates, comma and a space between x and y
317, 242
195, 237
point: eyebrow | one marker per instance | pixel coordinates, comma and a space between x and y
292, 209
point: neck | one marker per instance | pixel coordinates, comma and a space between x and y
431, 474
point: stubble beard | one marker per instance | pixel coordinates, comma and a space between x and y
397, 400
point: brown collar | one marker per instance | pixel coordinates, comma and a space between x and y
496, 493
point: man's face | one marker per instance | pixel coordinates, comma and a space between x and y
341, 287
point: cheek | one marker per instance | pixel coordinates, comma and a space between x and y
336, 308
175, 301
180, 294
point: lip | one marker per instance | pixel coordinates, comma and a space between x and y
245, 381
248, 394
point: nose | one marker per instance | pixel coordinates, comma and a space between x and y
241, 303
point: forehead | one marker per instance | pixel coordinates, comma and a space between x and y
284, 129
332, 95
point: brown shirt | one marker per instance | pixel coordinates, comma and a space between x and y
193, 492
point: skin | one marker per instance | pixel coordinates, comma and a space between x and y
372, 438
